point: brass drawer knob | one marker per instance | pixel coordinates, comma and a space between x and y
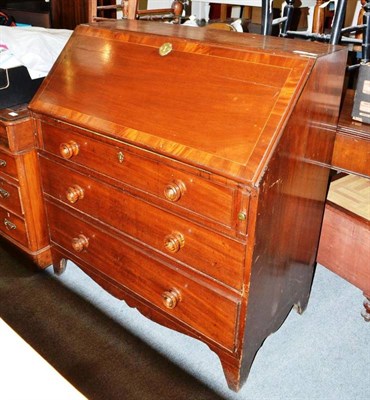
242, 216
174, 242
4, 193
171, 298
79, 243
174, 190
74, 193
67, 150
2, 163
9, 225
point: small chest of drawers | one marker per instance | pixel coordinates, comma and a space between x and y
191, 182
22, 213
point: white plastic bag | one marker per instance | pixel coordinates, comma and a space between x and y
35, 48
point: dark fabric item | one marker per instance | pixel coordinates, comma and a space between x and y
16, 86
97, 355
6, 19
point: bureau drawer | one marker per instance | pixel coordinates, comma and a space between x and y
13, 226
352, 153
213, 313
8, 164
9, 197
148, 175
184, 241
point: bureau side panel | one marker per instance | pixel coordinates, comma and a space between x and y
289, 207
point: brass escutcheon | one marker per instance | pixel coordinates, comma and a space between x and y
121, 157
165, 49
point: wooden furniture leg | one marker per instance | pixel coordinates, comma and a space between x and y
366, 312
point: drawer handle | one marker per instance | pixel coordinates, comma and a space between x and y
174, 242
79, 243
74, 193
9, 225
174, 190
4, 194
2, 163
242, 216
67, 150
171, 298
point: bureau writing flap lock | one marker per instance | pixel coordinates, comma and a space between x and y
165, 49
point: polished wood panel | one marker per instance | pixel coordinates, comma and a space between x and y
352, 154
352, 143
228, 140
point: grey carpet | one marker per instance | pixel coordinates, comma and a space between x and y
109, 351
102, 359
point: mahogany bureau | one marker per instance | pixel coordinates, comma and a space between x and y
22, 211
186, 172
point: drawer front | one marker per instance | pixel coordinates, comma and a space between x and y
188, 191
13, 226
9, 197
8, 164
207, 251
212, 313
352, 154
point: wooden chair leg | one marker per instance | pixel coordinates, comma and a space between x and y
247, 12
223, 12
91, 9
318, 17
